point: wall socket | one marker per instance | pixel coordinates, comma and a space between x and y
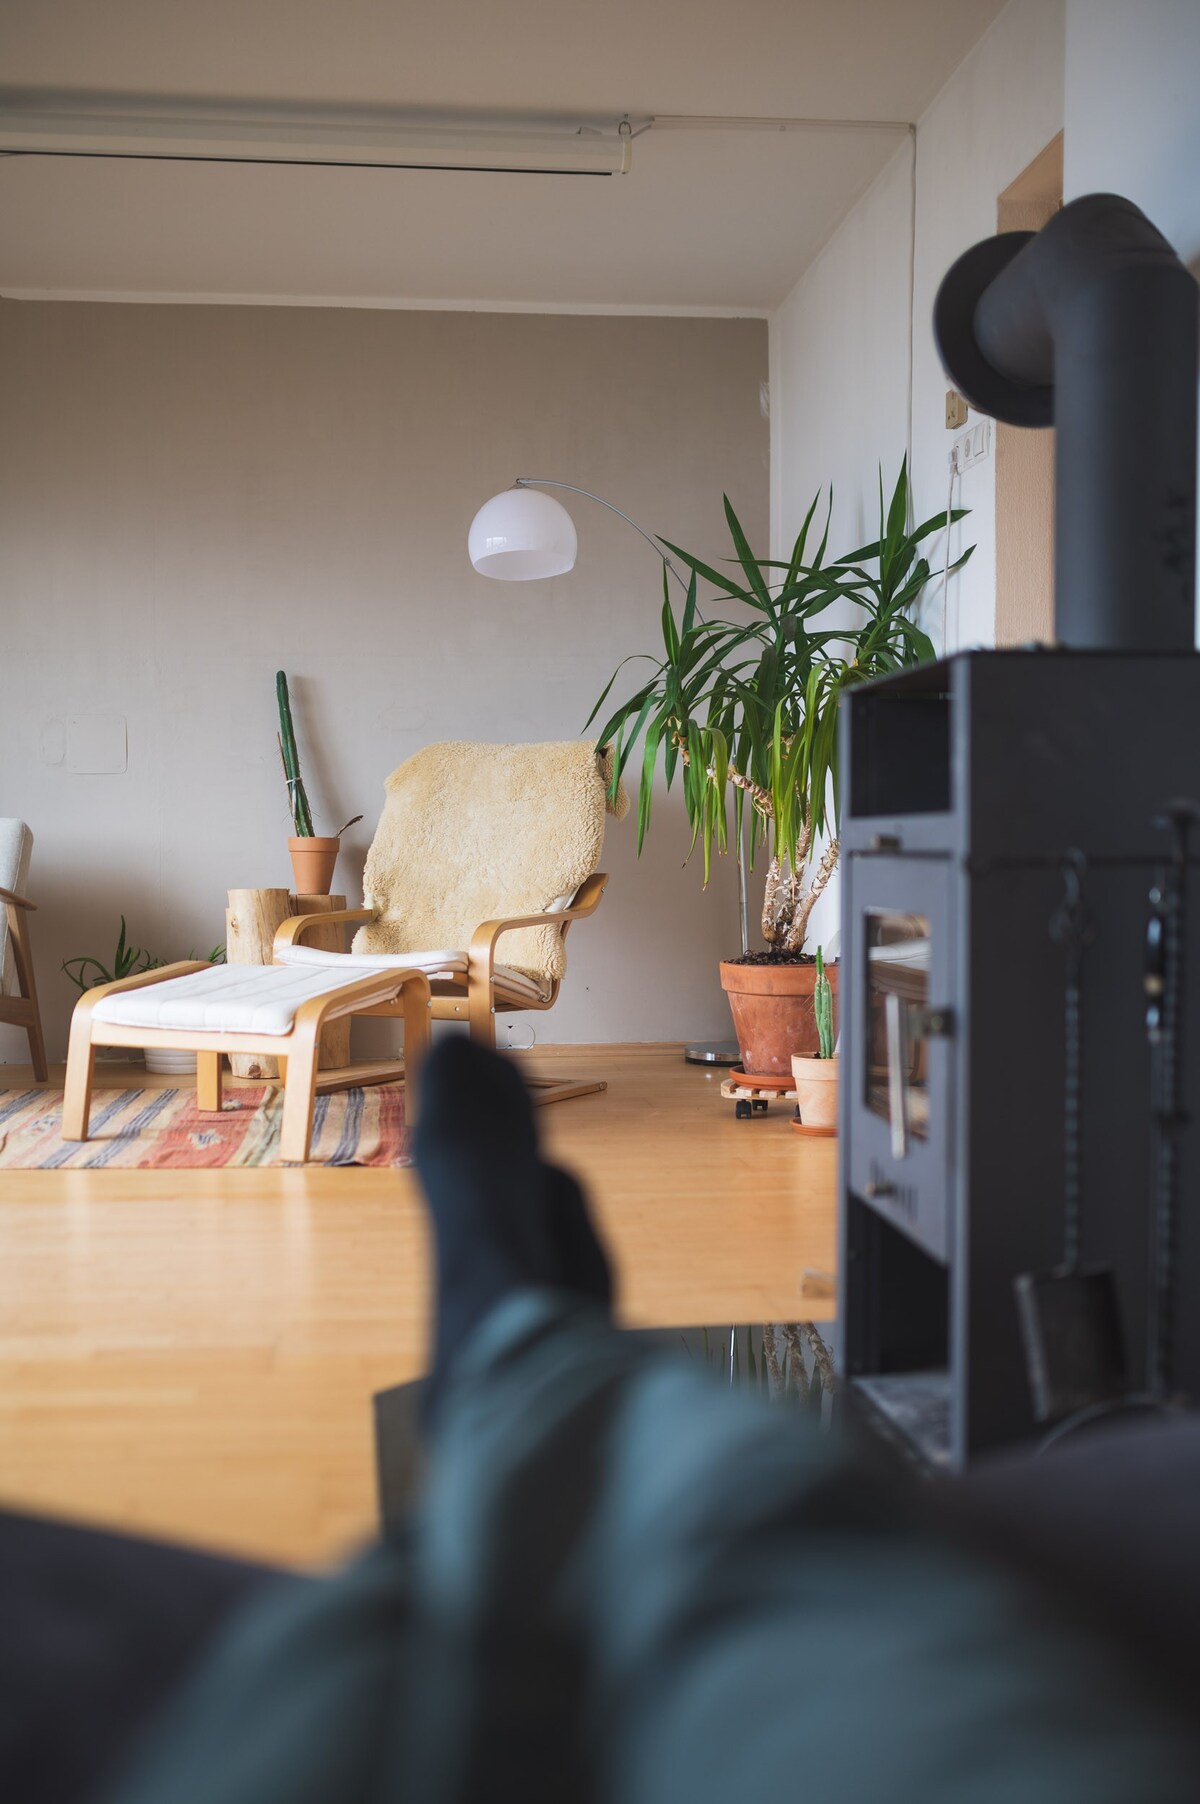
971, 448
956, 410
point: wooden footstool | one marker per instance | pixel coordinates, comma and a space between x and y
213, 1010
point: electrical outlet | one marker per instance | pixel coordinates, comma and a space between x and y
971, 448
956, 410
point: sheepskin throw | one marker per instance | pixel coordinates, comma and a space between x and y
470, 833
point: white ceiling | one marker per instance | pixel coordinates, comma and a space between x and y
705, 221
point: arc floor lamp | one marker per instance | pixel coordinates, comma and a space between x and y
522, 535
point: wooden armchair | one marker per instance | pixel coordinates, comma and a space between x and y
18, 990
478, 994
465, 827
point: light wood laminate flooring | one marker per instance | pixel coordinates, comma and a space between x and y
192, 1354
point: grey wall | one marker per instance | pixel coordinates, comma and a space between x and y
193, 497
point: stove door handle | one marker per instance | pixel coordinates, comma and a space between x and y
897, 1079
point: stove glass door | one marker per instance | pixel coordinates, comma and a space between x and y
897, 995
899, 959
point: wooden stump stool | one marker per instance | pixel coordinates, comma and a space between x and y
251, 921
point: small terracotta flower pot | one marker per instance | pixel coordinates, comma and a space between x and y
313, 862
772, 1008
816, 1083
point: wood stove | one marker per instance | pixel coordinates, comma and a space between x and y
969, 782
994, 1062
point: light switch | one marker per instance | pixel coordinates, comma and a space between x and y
97, 744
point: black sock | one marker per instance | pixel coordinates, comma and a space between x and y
581, 1260
502, 1218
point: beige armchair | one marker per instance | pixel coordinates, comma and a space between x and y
484, 857
18, 991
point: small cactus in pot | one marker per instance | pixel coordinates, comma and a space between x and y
816, 1075
823, 1009
313, 855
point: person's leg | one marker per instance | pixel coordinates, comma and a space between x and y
96, 1632
503, 1219
624, 1581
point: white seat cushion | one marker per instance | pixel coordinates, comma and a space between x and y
234, 999
443, 963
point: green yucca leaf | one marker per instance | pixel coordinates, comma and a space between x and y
689, 606
820, 557
763, 693
797, 557
634, 657
710, 575
646, 786
745, 556
893, 533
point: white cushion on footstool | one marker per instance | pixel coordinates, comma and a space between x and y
233, 999
446, 963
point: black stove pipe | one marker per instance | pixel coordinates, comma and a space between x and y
1091, 325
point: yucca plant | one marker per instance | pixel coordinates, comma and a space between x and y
746, 710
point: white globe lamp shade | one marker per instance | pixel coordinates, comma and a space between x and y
521, 535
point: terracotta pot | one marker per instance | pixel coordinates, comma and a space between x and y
816, 1082
313, 861
772, 1008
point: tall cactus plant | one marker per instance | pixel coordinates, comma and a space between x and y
297, 797
823, 1009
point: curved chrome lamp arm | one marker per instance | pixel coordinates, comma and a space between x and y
547, 482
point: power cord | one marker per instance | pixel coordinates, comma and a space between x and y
953, 462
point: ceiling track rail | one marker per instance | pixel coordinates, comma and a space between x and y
153, 129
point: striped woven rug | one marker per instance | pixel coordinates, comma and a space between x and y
159, 1130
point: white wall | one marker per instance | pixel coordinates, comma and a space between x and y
840, 344
1133, 112
839, 367
1133, 109
193, 497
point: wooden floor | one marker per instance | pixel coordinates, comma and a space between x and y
193, 1354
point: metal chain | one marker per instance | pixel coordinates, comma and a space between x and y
1166, 1155
1167, 994
1071, 928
